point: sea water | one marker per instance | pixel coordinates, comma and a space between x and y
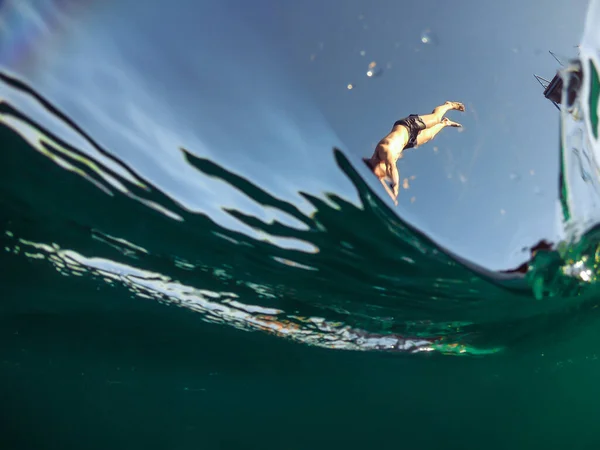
179, 302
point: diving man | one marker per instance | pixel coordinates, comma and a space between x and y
412, 131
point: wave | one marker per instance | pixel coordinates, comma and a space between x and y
363, 279
317, 266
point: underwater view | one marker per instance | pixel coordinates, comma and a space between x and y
234, 225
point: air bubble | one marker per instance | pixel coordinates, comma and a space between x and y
350, 86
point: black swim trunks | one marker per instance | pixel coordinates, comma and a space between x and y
413, 124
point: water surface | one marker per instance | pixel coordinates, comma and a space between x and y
194, 254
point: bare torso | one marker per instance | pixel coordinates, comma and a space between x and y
389, 149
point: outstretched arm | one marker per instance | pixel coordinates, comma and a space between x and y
389, 191
392, 171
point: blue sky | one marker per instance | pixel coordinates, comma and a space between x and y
491, 189
261, 87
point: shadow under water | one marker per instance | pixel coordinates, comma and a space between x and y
366, 279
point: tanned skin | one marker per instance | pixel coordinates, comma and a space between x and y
390, 148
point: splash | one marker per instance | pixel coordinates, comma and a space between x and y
573, 268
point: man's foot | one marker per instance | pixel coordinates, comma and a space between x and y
450, 123
456, 105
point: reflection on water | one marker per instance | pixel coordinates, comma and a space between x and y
375, 273
377, 284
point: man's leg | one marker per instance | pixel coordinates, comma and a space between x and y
428, 134
437, 115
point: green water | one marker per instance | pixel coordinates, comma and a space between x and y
121, 372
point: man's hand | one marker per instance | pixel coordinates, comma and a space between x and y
395, 178
395, 192
389, 191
